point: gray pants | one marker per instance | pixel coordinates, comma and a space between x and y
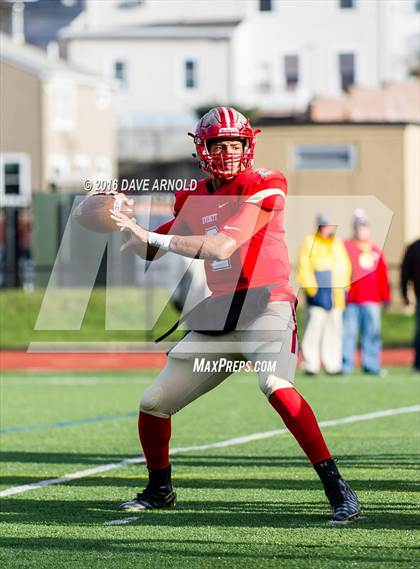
270, 343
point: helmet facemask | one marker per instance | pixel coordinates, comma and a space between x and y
226, 165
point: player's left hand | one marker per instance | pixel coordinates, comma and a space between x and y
138, 234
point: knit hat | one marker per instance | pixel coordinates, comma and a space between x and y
360, 217
323, 218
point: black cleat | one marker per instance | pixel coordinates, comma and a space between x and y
152, 498
344, 503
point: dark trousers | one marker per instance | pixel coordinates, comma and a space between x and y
417, 337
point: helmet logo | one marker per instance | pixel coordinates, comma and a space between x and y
229, 131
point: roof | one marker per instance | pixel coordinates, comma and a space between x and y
36, 61
217, 30
267, 121
399, 102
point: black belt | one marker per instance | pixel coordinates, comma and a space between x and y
217, 315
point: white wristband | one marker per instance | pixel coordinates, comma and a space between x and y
158, 240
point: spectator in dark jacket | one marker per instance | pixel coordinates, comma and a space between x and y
410, 273
369, 288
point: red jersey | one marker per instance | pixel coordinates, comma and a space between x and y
261, 258
369, 273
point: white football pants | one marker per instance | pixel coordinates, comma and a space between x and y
270, 338
322, 340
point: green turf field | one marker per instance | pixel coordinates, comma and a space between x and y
252, 505
22, 309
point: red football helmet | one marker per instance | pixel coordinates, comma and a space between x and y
224, 123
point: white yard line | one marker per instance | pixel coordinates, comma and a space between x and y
121, 521
221, 444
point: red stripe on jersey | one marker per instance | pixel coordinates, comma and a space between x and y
294, 334
294, 342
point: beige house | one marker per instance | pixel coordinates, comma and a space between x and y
338, 167
57, 125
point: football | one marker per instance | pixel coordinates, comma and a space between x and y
93, 212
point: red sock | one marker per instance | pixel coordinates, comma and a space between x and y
301, 422
155, 433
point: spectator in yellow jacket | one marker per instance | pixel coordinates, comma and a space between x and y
323, 270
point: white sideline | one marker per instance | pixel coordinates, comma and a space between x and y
221, 444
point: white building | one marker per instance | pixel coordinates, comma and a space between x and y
171, 56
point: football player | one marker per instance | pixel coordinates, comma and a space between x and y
234, 221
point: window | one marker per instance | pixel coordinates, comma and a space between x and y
264, 77
266, 5
11, 178
190, 70
120, 72
347, 4
324, 156
347, 70
291, 71
15, 179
